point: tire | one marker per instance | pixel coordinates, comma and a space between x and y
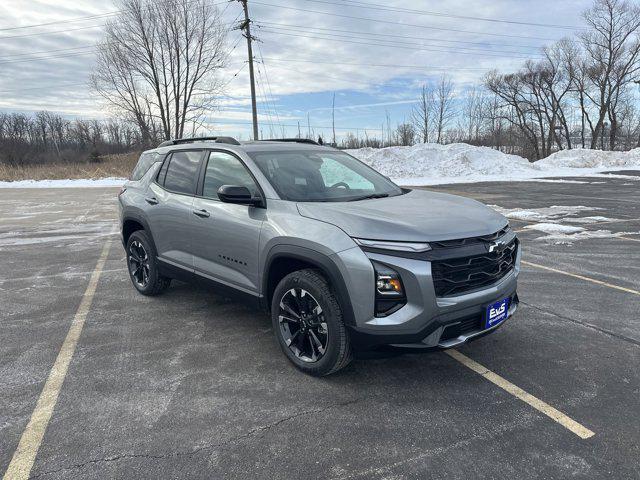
315, 333
141, 253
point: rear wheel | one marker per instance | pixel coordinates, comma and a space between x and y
143, 266
308, 324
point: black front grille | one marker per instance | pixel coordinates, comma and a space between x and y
457, 275
468, 325
461, 242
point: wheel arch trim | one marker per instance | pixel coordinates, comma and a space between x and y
132, 216
321, 261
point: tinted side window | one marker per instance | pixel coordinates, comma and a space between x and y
182, 172
225, 169
144, 164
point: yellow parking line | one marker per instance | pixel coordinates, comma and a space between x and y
543, 407
582, 277
25, 454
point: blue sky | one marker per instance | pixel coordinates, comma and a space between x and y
374, 57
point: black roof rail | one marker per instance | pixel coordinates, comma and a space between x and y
293, 140
178, 141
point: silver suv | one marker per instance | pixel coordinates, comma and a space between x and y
341, 257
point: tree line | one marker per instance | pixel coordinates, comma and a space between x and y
47, 137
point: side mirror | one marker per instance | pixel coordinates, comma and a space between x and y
238, 194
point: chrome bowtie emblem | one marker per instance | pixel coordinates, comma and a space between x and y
496, 246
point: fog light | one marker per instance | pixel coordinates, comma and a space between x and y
389, 290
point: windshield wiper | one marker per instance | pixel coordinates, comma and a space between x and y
372, 195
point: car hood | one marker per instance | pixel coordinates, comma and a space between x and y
417, 216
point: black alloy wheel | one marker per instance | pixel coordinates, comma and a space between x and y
302, 324
138, 260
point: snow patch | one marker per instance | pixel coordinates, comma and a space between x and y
552, 228
548, 221
594, 219
552, 214
569, 238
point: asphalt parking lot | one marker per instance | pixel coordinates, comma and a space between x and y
191, 384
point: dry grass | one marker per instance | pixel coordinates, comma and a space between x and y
109, 166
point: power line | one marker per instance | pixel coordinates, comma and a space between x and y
240, 122
377, 34
49, 57
400, 24
264, 67
378, 6
296, 60
80, 19
53, 32
49, 87
20, 55
87, 47
396, 42
267, 109
379, 44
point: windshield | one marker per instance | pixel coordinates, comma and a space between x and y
317, 176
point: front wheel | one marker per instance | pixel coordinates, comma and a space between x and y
308, 324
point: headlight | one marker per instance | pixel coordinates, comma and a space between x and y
414, 247
390, 294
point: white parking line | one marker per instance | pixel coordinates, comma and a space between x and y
25, 454
556, 415
582, 277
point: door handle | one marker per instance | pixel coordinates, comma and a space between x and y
151, 200
202, 213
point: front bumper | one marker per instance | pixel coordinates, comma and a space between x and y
427, 321
435, 335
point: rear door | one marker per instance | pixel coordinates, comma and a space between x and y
170, 200
225, 237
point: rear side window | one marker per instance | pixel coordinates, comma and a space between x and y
182, 172
144, 164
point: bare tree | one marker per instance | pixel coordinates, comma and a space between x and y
157, 63
405, 134
612, 51
472, 111
422, 114
444, 110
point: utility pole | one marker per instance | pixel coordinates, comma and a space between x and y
245, 27
333, 117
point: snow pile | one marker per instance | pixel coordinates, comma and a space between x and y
583, 158
432, 164
77, 183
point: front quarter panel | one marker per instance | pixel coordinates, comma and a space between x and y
285, 230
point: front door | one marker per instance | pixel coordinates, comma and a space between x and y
225, 237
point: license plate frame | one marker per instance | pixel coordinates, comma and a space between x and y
496, 313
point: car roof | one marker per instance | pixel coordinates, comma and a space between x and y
250, 146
